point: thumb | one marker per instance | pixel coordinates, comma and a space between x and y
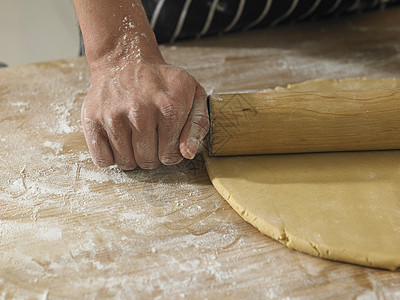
196, 126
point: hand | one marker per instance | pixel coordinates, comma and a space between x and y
143, 113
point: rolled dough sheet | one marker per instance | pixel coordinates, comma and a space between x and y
340, 206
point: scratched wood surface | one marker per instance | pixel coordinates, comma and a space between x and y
71, 230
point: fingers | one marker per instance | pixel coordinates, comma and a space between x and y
196, 126
152, 114
120, 136
97, 141
145, 149
172, 117
109, 142
144, 138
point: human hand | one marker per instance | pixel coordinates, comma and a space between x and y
143, 113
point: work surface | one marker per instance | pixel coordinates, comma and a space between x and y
70, 229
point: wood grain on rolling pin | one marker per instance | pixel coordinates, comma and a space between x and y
296, 122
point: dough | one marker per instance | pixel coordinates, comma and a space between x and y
340, 206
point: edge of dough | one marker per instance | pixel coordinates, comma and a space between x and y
292, 242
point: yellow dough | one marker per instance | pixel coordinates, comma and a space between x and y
340, 206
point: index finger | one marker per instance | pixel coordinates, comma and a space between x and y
196, 126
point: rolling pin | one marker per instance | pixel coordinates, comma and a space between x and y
299, 122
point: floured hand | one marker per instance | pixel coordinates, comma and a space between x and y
139, 110
141, 114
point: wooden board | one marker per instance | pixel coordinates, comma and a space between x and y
71, 230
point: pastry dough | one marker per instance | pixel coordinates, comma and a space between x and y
340, 206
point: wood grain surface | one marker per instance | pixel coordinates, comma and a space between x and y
298, 122
71, 230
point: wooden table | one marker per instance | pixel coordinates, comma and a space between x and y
71, 230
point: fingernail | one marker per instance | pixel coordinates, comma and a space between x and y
192, 146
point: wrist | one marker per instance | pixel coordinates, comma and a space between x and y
133, 48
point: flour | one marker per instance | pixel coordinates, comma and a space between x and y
41, 230
64, 123
129, 47
56, 146
112, 174
49, 234
22, 105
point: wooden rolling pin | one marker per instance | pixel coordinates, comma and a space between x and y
297, 122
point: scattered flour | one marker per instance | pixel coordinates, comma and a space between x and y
56, 146
42, 230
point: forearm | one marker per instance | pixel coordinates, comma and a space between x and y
116, 30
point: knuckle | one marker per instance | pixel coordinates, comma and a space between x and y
138, 115
112, 114
112, 121
202, 122
180, 73
202, 92
169, 108
90, 123
173, 108
134, 111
